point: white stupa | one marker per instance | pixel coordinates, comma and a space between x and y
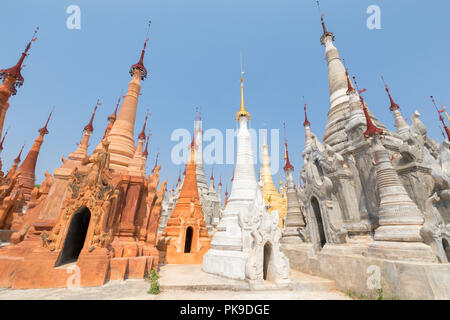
246, 243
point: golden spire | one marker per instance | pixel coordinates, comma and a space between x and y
242, 111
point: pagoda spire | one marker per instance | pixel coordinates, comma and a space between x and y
111, 118
324, 28
226, 196
12, 79
121, 137
89, 127
288, 165
137, 164
307, 125
142, 134
16, 162
145, 153
442, 131
335, 135
371, 128
81, 152
140, 64
294, 217
219, 191
28, 166
3, 140
17, 159
156, 162
393, 106
269, 192
15, 72
400, 122
242, 111
441, 118
349, 83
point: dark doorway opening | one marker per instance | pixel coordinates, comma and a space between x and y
188, 240
75, 237
266, 261
316, 208
446, 246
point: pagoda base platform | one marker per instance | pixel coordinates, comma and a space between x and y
37, 269
225, 263
354, 271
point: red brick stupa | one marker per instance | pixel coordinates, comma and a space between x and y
185, 239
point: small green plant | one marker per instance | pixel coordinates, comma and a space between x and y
379, 294
154, 284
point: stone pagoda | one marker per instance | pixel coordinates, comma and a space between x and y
209, 198
185, 239
99, 211
12, 80
272, 196
374, 199
246, 244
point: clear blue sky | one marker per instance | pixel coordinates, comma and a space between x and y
193, 59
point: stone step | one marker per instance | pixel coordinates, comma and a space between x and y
303, 281
191, 277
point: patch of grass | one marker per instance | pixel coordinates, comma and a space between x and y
154, 284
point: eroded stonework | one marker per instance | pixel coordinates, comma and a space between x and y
372, 197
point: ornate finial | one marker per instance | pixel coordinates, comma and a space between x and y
140, 64
442, 131
371, 128
220, 181
198, 112
393, 106
440, 117
197, 121
288, 165
145, 153
349, 82
142, 134
114, 115
321, 18
3, 140
325, 31
446, 114
242, 111
89, 126
212, 174
179, 176
156, 162
14, 72
17, 160
306, 123
43, 131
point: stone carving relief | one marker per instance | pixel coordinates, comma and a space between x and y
260, 229
434, 230
93, 190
